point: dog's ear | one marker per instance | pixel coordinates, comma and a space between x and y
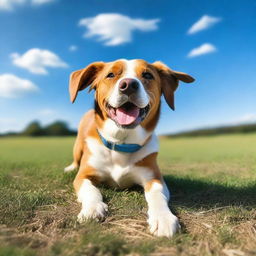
82, 78
170, 81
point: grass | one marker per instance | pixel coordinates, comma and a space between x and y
213, 186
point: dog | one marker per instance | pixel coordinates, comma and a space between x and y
116, 143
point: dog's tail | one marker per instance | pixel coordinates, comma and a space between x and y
77, 155
71, 167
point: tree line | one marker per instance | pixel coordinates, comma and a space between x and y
242, 129
58, 128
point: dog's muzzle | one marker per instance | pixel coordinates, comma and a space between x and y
131, 109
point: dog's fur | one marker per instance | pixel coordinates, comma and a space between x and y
97, 163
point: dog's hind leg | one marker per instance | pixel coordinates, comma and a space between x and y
77, 155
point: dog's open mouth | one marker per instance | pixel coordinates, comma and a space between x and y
128, 115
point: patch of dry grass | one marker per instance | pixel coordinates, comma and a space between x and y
213, 184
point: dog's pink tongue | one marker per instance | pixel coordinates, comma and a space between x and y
126, 117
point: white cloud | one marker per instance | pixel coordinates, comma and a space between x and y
39, 2
37, 60
12, 86
9, 5
203, 23
202, 50
115, 29
73, 48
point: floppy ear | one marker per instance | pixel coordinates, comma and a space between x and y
170, 81
82, 78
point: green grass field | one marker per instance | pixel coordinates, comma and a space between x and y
213, 185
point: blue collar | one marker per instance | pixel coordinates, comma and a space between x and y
125, 148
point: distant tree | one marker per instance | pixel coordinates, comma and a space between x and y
58, 128
33, 129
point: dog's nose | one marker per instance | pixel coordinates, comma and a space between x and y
128, 86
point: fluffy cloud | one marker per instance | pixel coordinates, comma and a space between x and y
72, 48
203, 23
39, 2
201, 50
115, 29
12, 86
37, 60
9, 5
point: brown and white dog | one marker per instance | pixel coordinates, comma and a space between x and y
116, 143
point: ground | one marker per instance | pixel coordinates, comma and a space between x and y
213, 186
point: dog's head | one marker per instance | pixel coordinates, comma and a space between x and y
128, 92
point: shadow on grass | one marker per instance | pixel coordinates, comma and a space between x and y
194, 193
205, 194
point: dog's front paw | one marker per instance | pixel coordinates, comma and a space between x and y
163, 223
93, 211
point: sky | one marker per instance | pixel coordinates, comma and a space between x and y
43, 41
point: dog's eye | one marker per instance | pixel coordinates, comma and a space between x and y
111, 75
147, 75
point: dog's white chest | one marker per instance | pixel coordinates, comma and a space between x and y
120, 176
116, 168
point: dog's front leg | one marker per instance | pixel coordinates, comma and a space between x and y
90, 197
160, 219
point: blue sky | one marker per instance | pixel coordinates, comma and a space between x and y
42, 43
